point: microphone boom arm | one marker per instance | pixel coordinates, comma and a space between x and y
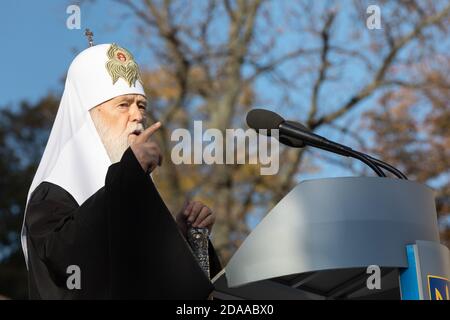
314, 140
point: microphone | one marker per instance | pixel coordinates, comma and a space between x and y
264, 119
297, 135
260, 119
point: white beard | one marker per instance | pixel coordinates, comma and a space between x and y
115, 144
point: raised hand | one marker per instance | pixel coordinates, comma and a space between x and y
146, 150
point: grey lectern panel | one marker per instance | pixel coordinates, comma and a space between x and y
337, 223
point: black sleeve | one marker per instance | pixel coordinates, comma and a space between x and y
123, 238
166, 263
61, 233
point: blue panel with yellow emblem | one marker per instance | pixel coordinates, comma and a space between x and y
438, 288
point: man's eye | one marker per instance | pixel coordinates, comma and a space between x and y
143, 106
123, 105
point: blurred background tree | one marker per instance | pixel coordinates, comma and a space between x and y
23, 135
383, 91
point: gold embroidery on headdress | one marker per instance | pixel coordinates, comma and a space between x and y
122, 65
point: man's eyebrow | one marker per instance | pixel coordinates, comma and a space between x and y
122, 98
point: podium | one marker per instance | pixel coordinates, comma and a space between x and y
320, 239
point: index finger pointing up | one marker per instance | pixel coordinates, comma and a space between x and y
149, 131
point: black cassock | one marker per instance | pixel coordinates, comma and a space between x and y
123, 238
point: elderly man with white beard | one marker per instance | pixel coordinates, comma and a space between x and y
95, 225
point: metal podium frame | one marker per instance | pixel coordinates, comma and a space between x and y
318, 241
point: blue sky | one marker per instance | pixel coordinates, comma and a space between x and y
37, 47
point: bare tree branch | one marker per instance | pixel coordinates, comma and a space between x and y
229, 10
380, 74
277, 62
138, 12
324, 64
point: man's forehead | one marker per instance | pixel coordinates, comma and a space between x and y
131, 97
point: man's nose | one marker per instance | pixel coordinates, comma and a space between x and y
136, 114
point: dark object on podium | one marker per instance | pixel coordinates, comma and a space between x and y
198, 240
